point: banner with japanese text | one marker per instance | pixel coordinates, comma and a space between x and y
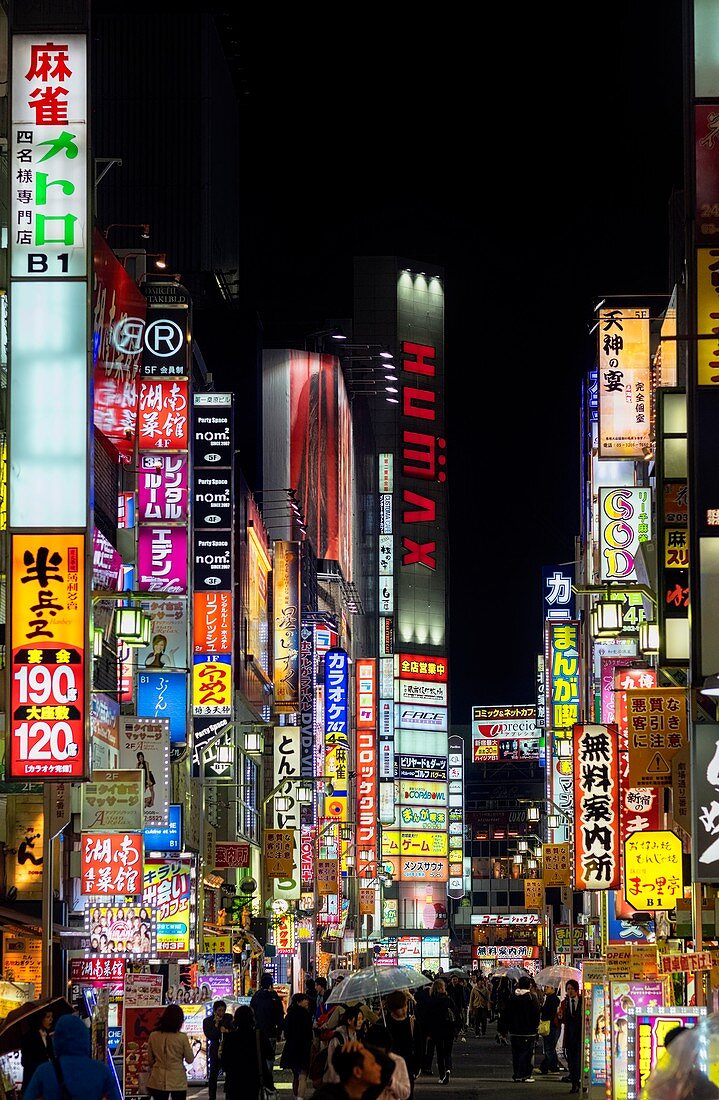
111, 864
145, 745
596, 806
168, 891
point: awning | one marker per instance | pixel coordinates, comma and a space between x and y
21, 922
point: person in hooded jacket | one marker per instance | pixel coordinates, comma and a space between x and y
86, 1078
520, 1021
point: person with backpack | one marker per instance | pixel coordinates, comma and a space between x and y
74, 1074
442, 1026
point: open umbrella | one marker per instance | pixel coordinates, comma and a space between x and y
514, 973
557, 975
373, 981
20, 1021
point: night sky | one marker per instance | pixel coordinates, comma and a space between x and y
539, 189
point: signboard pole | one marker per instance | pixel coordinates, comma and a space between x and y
48, 877
698, 940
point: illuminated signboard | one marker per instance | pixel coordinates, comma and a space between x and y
596, 801
166, 838
111, 864
625, 522
625, 419
286, 601
47, 721
366, 742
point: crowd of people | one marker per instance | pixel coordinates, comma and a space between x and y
376, 1050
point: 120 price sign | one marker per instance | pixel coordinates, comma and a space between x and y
47, 735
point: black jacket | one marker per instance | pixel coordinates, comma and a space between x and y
297, 1027
269, 1013
33, 1053
213, 1033
550, 1007
572, 1022
520, 1015
441, 1020
333, 1090
406, 1041
243, 1073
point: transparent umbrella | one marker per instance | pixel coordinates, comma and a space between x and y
373, 981
557, 975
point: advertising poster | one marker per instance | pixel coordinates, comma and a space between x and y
626, 998
168, 645
647, 1031
143, 990
145, 745
598, 1032
168, 893
120, 929
138, 1023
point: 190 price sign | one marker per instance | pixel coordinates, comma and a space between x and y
47, 735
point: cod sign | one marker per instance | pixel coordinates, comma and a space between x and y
625, 522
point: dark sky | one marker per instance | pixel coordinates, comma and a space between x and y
534, 159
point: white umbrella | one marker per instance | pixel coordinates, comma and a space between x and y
373, 981
557, 975
511, 972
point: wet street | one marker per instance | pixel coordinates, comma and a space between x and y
481, 1067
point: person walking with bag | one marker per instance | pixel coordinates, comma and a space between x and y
297, 1028
549, 1029
246, 1058
73, 1075
442, 1026
520, 1020
168, 1049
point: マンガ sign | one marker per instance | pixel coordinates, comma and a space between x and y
47, 723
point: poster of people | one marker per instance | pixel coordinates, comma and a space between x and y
145, 746
598, 1047
139, 1022
121, 929
625, 998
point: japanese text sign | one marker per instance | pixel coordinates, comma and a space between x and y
113, 802
366, 739
656, 729
145, 744
596, 805
231, 854
162, 422
624, 523
556, 864
48, 224
624, 383
168, 892
47, 723
705, 803
336, 683
286, 593
279, 848
94, 970
162, 488
111, 864
653, 877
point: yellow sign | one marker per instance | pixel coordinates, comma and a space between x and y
279, 852
656, 731
653, 877
423, 844
533, 893
556, 864
366, 901
216, 944
417, 792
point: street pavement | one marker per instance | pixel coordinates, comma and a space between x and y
481, 1068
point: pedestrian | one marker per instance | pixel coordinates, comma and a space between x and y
269, 1013
356, 1069
37, 1047
519, 1021
246, 1057
297, 1028
549, 1029
456, 992
214, 1028
349, 1030
395, 1075
85, 1078
322, 991
311, 991
570, 1015
502, 993
421, 1011
479, 1005
168, 1049
404, 1031
442, 1027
